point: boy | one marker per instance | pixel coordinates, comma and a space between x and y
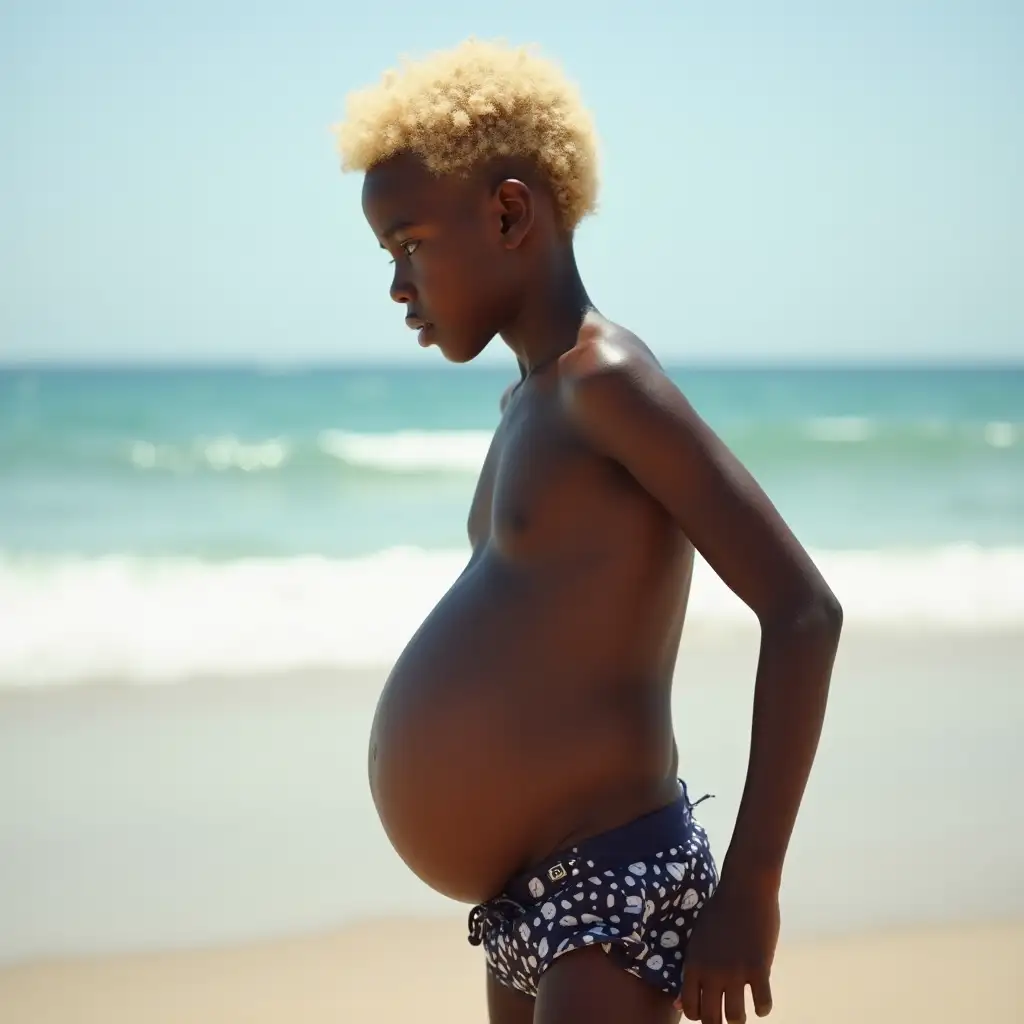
522, 757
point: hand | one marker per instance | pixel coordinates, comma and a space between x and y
732, 946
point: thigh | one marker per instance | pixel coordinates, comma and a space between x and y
587, 986
507, 1005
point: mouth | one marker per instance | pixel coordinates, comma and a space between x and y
424, 327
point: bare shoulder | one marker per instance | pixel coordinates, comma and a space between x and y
604, 347
607, 366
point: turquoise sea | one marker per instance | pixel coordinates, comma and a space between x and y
270, 540
286, 519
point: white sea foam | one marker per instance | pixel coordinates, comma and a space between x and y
410, 451
841, 429
218, 453
403, 452
1002, 435
861, 430
145, 620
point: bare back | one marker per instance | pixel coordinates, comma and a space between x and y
532, 707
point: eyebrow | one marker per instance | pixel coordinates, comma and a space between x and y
402, 225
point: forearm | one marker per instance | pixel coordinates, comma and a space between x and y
790, 695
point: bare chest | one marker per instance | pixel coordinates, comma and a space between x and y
541, 489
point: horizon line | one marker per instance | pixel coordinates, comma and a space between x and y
284, 366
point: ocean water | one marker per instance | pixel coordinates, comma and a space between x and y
161, 524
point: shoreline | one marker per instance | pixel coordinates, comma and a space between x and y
162, 621
701, 637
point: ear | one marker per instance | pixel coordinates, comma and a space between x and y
514, 205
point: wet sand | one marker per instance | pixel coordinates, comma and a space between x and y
204, 851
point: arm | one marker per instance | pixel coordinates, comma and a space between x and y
628, 410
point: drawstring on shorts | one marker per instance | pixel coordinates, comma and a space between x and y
493, 912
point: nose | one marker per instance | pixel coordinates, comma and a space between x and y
401, 288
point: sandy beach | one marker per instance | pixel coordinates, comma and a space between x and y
417, 970
208, 850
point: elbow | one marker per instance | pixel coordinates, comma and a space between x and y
825, 609
819, 614
829, 612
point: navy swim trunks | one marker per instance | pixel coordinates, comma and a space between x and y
636, 891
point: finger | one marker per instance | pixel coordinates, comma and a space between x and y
735, 1011
689, 995
761, 990
710, 1002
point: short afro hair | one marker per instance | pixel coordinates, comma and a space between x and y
477, 101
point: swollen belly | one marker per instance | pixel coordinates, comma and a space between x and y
445, 782
473, 760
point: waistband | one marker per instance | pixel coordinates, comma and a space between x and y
659, 830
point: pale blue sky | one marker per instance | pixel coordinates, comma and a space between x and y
812, 180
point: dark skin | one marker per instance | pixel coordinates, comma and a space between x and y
532, 707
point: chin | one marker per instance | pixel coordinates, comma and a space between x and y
464, 350
458, 356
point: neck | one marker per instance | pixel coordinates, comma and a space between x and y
548, 321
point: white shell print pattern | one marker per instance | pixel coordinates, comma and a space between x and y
658, 899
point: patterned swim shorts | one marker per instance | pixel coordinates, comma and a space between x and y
636, 891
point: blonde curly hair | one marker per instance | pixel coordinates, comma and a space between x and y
474, 102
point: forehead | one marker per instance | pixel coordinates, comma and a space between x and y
402, 190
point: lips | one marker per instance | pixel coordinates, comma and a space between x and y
423, 327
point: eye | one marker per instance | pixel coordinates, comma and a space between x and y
408, 247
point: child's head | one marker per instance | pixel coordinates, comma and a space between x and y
479, 163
